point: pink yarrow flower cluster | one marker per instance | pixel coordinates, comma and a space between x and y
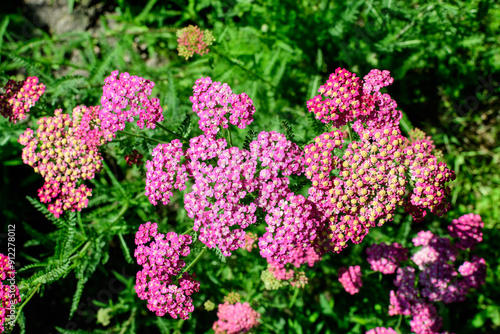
350, 278
193, 40
19, 97
385, 258
64, 151
9, 293
160, 256
212, 101
125, 97
235, 318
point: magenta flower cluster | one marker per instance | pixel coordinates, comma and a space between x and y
125, 97
350, 278
438, 280
9, 293
160, 257
213, 101
385, 258
468, 229
235, 318
19, 97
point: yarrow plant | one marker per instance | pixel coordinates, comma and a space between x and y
19, 97
193, 40
350, 193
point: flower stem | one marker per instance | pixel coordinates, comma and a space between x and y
294, 298
230, 136
113, 178
26, 301
188, 231
349, 130
195, 260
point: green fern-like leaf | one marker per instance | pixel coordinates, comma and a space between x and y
288, 130
76, 297
219, 254
49, 275
125, 249
251, 136
185, 128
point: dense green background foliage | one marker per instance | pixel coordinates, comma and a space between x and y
79, 270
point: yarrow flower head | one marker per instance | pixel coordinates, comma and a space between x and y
160, 256
468, 229
19, 97
125, 97
346, 98
213, 100
9, 294
385, 258
64, 152
193, 40
235, 319
350, 278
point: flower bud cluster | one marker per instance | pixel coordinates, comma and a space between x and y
213, 100
9, 294
134, 158
125, 97
64, 152
193, 40
159, 254
235, 318
429, 179
385, 258
345, 98
19, 97
369, 186
350, 278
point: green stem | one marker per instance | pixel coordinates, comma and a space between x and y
188, 231
143, 137
230, 136
399, 323
79, 222
120, 214
349, 130
18, 311
195, 260
129, 321
294, 298
80, 253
